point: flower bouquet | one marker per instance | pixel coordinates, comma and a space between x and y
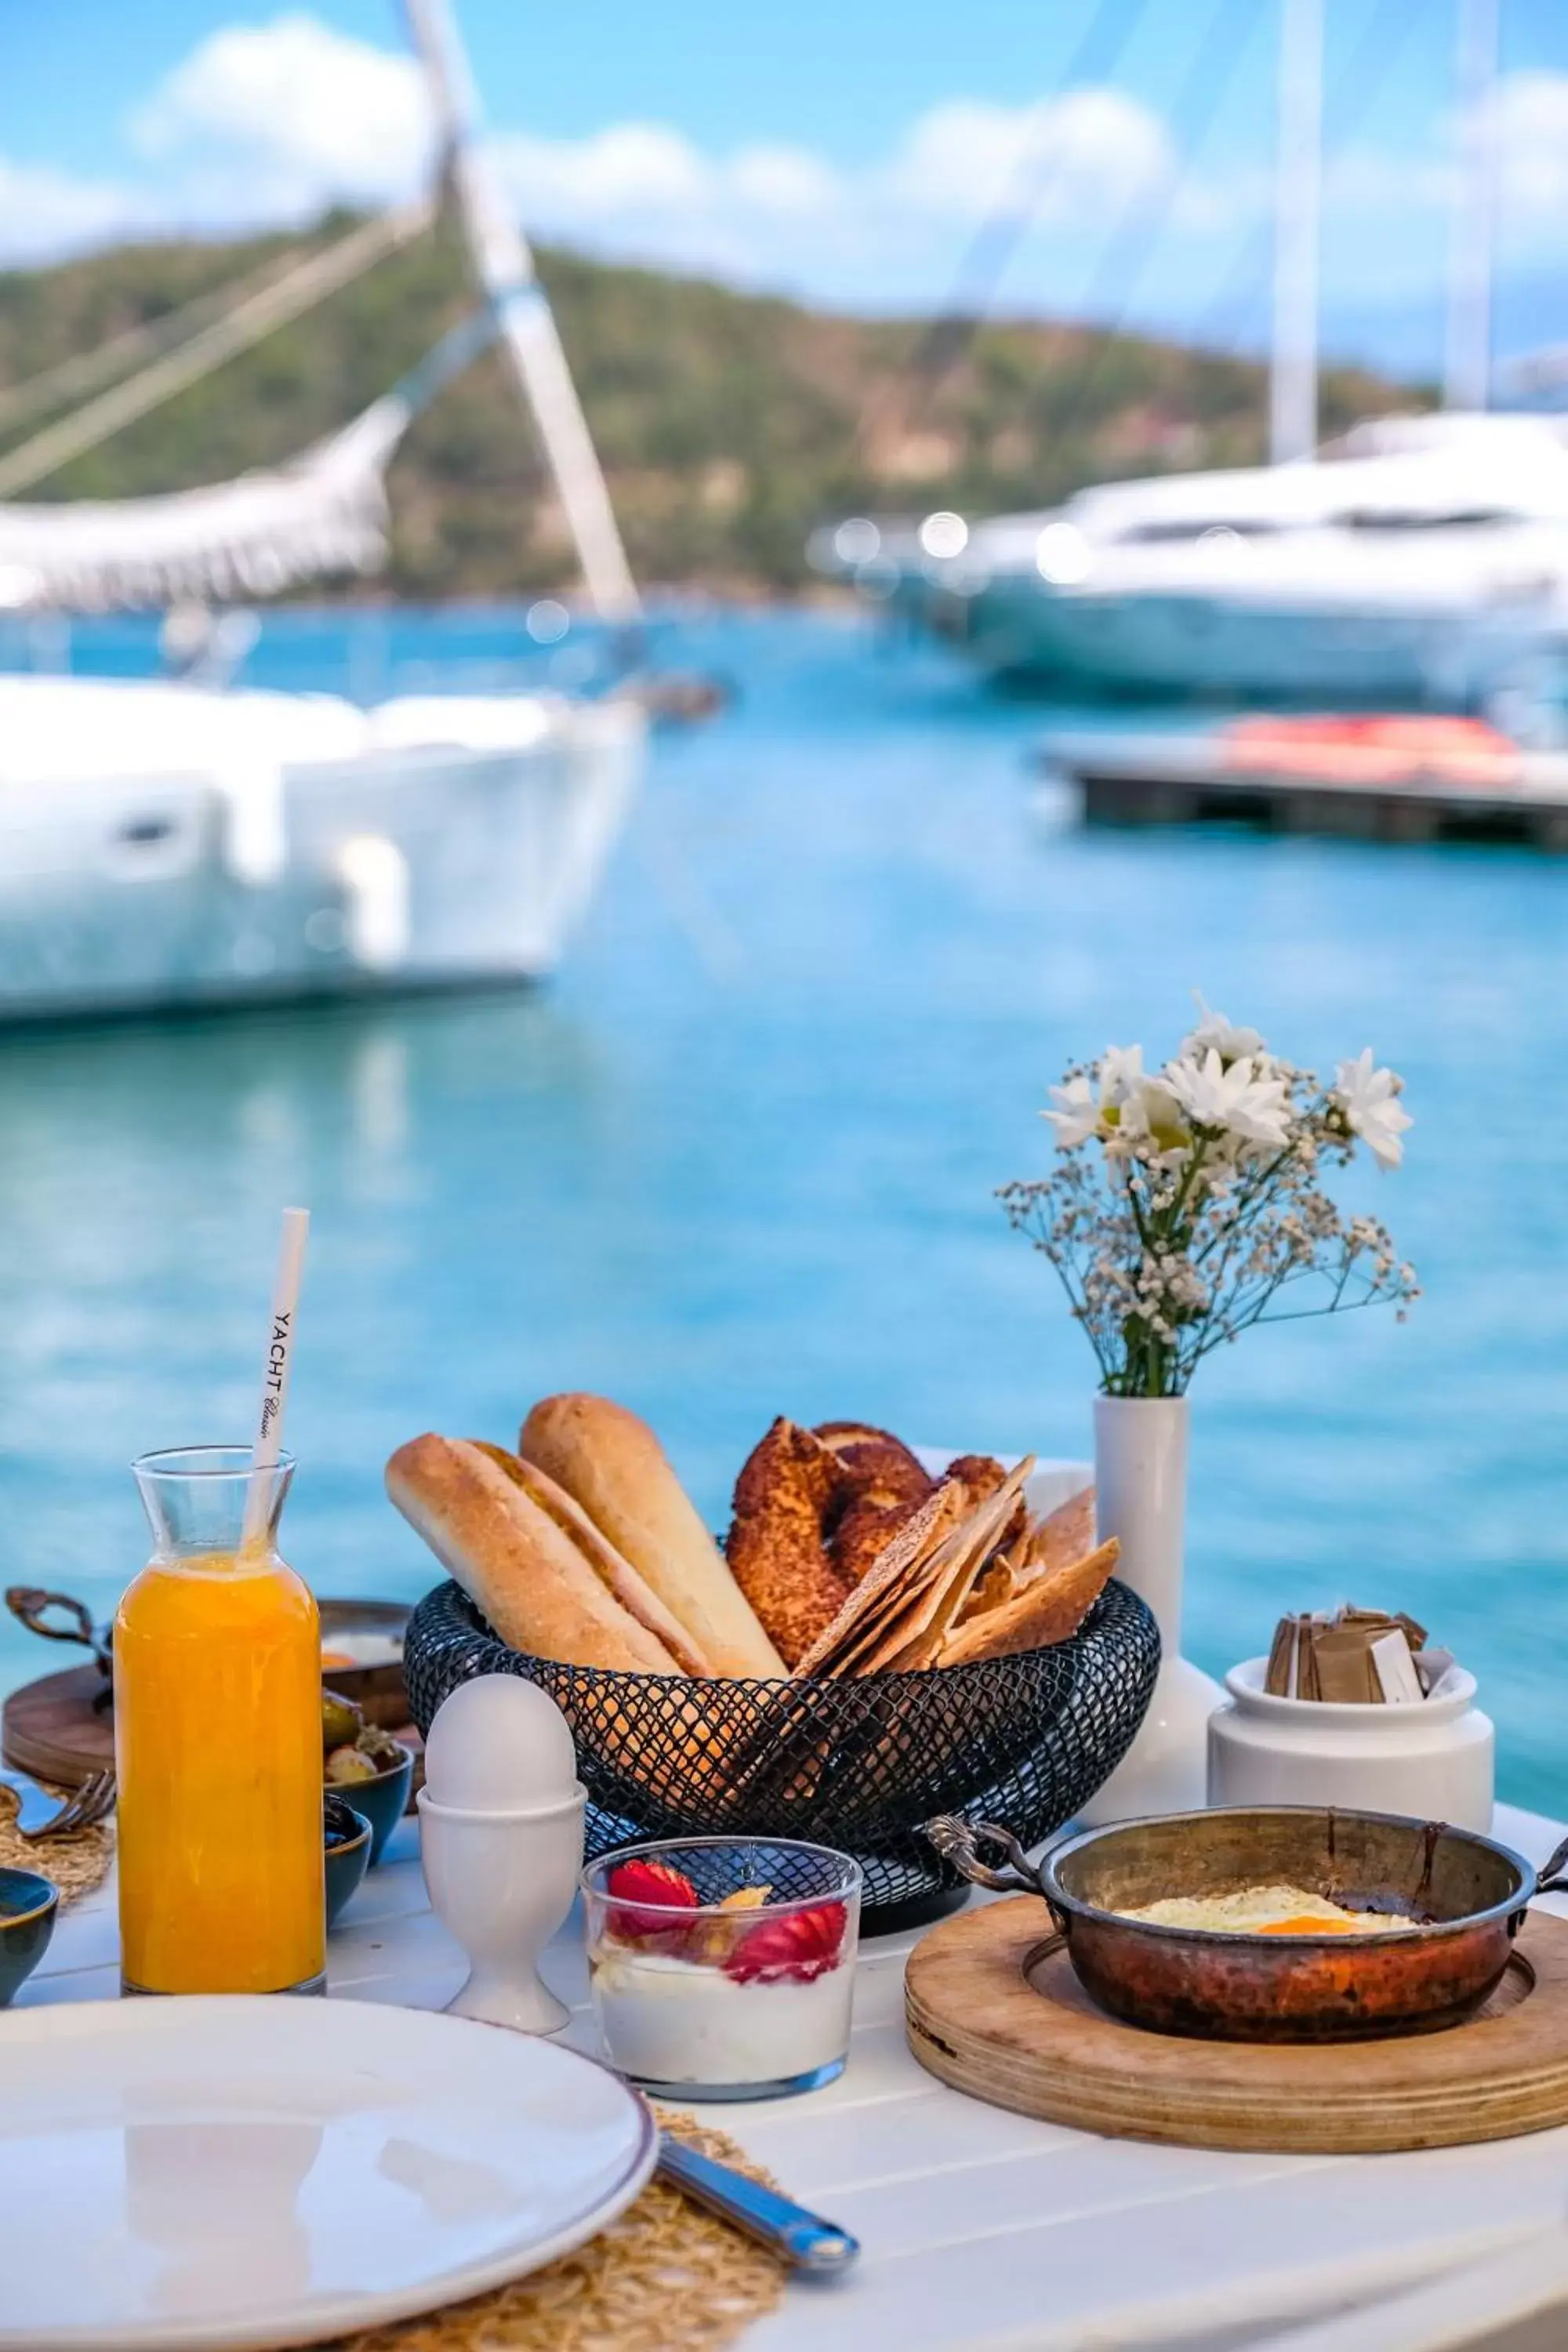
1188, 1204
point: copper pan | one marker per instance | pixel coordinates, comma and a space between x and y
1468, 1893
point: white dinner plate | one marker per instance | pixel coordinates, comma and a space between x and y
238, 2173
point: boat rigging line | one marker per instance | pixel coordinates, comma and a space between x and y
1035, 176
1298, 207
271, 306
1133, 239
530, 337
86, 371
1222, 324
1468, 339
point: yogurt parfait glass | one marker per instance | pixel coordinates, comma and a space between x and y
723, 1967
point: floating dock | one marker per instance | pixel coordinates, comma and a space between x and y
1395, 779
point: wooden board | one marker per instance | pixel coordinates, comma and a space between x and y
50, 1729
991, 2006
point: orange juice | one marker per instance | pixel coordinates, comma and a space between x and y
217, 1713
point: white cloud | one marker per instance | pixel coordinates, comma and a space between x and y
289, 115
269, 122
44, 212
1368, 186
272, 122
1532, 132
633, 169
785, 181
1090, 148
777, 213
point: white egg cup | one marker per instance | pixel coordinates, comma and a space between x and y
502, 1883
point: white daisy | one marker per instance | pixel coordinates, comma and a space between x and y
1077, 1116
1151, 1109
1216, 1032
1370, 1100
1121, 1073
1234, 1097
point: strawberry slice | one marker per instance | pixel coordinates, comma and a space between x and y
795, 1947
632, 1885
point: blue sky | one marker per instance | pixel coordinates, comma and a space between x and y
844, 152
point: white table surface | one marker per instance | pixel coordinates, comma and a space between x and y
982, 2229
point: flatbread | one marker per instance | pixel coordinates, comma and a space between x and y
923, 1627
1046, 1613
1067, 1535
901, 1560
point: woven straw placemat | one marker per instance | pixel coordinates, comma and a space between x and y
76, 1865
666, 2277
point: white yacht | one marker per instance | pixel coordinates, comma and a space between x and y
169, 845
166, 844
1421, 559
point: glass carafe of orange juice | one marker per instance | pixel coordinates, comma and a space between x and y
218, 1740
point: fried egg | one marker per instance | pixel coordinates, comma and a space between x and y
1268, 1911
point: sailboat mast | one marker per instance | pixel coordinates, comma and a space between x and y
1467, 345
504, 265
1293, 377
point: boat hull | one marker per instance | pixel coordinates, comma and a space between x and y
402, 868
1189, 645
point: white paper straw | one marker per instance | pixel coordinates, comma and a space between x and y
275, 1365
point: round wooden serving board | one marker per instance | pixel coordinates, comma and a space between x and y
991, 2006
49, 1728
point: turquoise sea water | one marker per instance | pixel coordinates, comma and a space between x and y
738, 1160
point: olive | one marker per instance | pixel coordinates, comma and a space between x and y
346, 1764
341, 1720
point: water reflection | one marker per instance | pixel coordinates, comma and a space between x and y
451, 2189
221, 2204
144, 1168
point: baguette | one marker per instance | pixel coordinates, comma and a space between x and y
617, 1575
514, 1562
613, 1468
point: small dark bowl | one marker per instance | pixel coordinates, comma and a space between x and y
27, 1907
348, 1836
382, 1800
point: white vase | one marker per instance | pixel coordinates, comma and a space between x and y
1140, 1485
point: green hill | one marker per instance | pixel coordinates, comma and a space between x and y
729, 423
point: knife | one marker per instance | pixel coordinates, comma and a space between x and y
803, 2239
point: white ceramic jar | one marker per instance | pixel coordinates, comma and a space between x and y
1435, 1760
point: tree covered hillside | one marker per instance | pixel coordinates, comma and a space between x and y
729, 423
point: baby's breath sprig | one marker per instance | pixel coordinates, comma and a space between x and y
1188, 1204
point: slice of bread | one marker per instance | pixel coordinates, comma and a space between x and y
514, 1562
613, 1468
617, 1575
1047, 1611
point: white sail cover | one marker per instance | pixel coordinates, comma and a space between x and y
323, 512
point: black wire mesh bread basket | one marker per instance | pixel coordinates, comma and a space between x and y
855, 1763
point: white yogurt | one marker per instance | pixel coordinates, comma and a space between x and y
669, 2021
